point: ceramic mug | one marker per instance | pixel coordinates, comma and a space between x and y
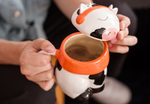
80, 79
77, 78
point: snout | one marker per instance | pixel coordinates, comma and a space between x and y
105, 34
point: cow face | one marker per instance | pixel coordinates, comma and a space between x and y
98, 22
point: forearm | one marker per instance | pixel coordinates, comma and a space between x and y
10, 51
69, 6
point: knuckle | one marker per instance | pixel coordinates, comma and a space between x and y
22, 61
42, 84
45, 88
117, 50
49, 85
29, 78
127, 31
44, 61
48, 76
49, 66
128, 19
39, 39
45, 42
24, 71
46, 45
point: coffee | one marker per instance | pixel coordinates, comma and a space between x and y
80, 53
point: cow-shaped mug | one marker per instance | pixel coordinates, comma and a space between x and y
79, 78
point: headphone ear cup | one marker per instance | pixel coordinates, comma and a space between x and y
80, 19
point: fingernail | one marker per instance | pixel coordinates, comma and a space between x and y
50, 49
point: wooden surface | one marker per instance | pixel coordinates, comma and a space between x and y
60, 97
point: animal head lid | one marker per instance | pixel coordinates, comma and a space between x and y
84, 10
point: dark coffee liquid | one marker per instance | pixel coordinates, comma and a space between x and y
80, 53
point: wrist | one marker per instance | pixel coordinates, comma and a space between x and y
10, 51
21, 46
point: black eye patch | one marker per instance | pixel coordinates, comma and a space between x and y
98, 33
99, 78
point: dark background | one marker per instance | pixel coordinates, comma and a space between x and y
136, 72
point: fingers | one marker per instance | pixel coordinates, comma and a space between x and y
35, 66
34, 63
44, 45
44, 79
46, 85
124, 21
33, 70
128, 41
122, 34
35, 58
119, 49
121, 46
121, 43
43, 76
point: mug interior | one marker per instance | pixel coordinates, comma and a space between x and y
94, 47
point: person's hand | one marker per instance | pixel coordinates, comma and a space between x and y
37, 67
120, 45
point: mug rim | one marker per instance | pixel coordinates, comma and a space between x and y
82, 67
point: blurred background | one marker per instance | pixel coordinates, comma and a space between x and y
136, 72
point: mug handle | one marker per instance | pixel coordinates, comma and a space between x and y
43, 52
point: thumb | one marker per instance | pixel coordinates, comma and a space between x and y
42, 44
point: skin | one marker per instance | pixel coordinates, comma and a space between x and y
37, 67
123, 41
